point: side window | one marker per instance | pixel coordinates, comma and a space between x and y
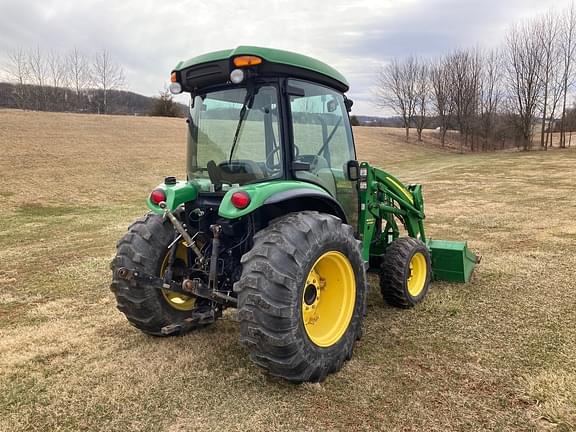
320, 127
323, 142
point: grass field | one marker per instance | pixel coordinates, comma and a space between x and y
496, 354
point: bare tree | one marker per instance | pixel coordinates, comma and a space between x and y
523, 66
422, 97
490, 94
396, 89
79, 73
555, 95
570, 122
57, 78
107, 75
441, 95
17, 71
38, 74
568, 50
165, 106
547, 32
57, 73
465, 69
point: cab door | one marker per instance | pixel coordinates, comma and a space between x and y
322, 142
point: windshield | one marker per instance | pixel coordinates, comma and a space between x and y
233, 137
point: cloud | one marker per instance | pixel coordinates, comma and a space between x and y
148, 37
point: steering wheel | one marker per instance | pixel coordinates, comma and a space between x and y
270, 159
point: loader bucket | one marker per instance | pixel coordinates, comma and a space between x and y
452, 260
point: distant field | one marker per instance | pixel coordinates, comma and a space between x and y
496, 354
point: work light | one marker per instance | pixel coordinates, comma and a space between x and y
175, 88
237, 76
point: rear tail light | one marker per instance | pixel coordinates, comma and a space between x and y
157, 196
240, 199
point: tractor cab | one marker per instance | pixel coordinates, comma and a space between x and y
258, 115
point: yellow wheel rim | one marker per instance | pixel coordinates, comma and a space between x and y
177, 301
417, 275
328, 299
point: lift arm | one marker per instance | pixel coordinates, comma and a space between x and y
385, 201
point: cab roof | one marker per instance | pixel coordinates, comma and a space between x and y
275, 62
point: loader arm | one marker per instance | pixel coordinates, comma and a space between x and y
385, 201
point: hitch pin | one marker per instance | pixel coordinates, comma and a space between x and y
181, 230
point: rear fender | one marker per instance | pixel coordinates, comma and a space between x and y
290, 196
176, 195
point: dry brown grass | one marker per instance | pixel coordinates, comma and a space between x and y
496, 354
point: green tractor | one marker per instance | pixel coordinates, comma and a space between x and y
276, 218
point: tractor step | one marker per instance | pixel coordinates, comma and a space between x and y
452, 261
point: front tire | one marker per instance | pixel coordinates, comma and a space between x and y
301, 297
405, 273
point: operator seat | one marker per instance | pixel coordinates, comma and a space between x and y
240, 171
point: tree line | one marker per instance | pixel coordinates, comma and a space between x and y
517, 94
73, 81
62, 81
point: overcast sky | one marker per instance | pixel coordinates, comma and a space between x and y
148, 37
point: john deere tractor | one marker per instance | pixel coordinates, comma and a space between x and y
276, 218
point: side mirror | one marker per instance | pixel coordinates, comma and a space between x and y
348, 103
353, 170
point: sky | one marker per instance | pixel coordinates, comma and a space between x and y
148, 37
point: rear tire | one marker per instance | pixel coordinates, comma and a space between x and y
301, 297
144, 248
405, 273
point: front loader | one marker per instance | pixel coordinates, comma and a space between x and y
276, 218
